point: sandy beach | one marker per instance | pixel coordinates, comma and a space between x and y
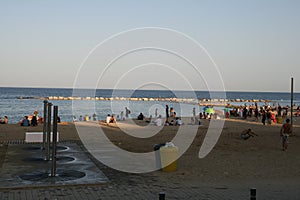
233, 161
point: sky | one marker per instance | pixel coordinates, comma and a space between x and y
254, 44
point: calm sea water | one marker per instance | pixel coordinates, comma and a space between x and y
15, 108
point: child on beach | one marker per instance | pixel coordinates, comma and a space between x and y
246, 134
285, 132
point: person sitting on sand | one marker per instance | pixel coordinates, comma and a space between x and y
178, 121
112, 119
94, 117
25, 121
5, 120
141, 116
172, 122
286, 131
149, 120
58, 119
158, 121
246, 134
75, 119
172, 112
108, 118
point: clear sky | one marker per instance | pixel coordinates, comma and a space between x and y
255, 43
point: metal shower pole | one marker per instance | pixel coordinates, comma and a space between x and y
48, 131
292, 98
54, 140
45, 124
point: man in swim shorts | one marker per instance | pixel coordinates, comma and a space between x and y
285, 132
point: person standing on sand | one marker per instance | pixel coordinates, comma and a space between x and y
264, 117
269, 120
127, 112
122, 116
194, 115
256, 113
167, 113
286, 131
245, 112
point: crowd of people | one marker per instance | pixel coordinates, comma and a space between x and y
31, 120
85, 118
267, 114
171, 118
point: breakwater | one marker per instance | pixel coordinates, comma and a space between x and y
203, 101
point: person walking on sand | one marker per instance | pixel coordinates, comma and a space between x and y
285, 132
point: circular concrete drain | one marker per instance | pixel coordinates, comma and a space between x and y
61, 175
58, 148
32, 148
34, 159
60, 159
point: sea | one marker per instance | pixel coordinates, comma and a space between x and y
18, 102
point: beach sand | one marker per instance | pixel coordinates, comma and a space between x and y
232, 161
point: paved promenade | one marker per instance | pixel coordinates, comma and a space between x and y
137, 187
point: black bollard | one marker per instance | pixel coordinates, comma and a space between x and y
45, 124
253, 194
162, 196
54, 140
48, 131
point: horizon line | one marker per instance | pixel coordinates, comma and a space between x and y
35, 87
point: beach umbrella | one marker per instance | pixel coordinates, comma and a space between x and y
205, 108
210, 111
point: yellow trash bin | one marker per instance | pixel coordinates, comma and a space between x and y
169, 156
279, 120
